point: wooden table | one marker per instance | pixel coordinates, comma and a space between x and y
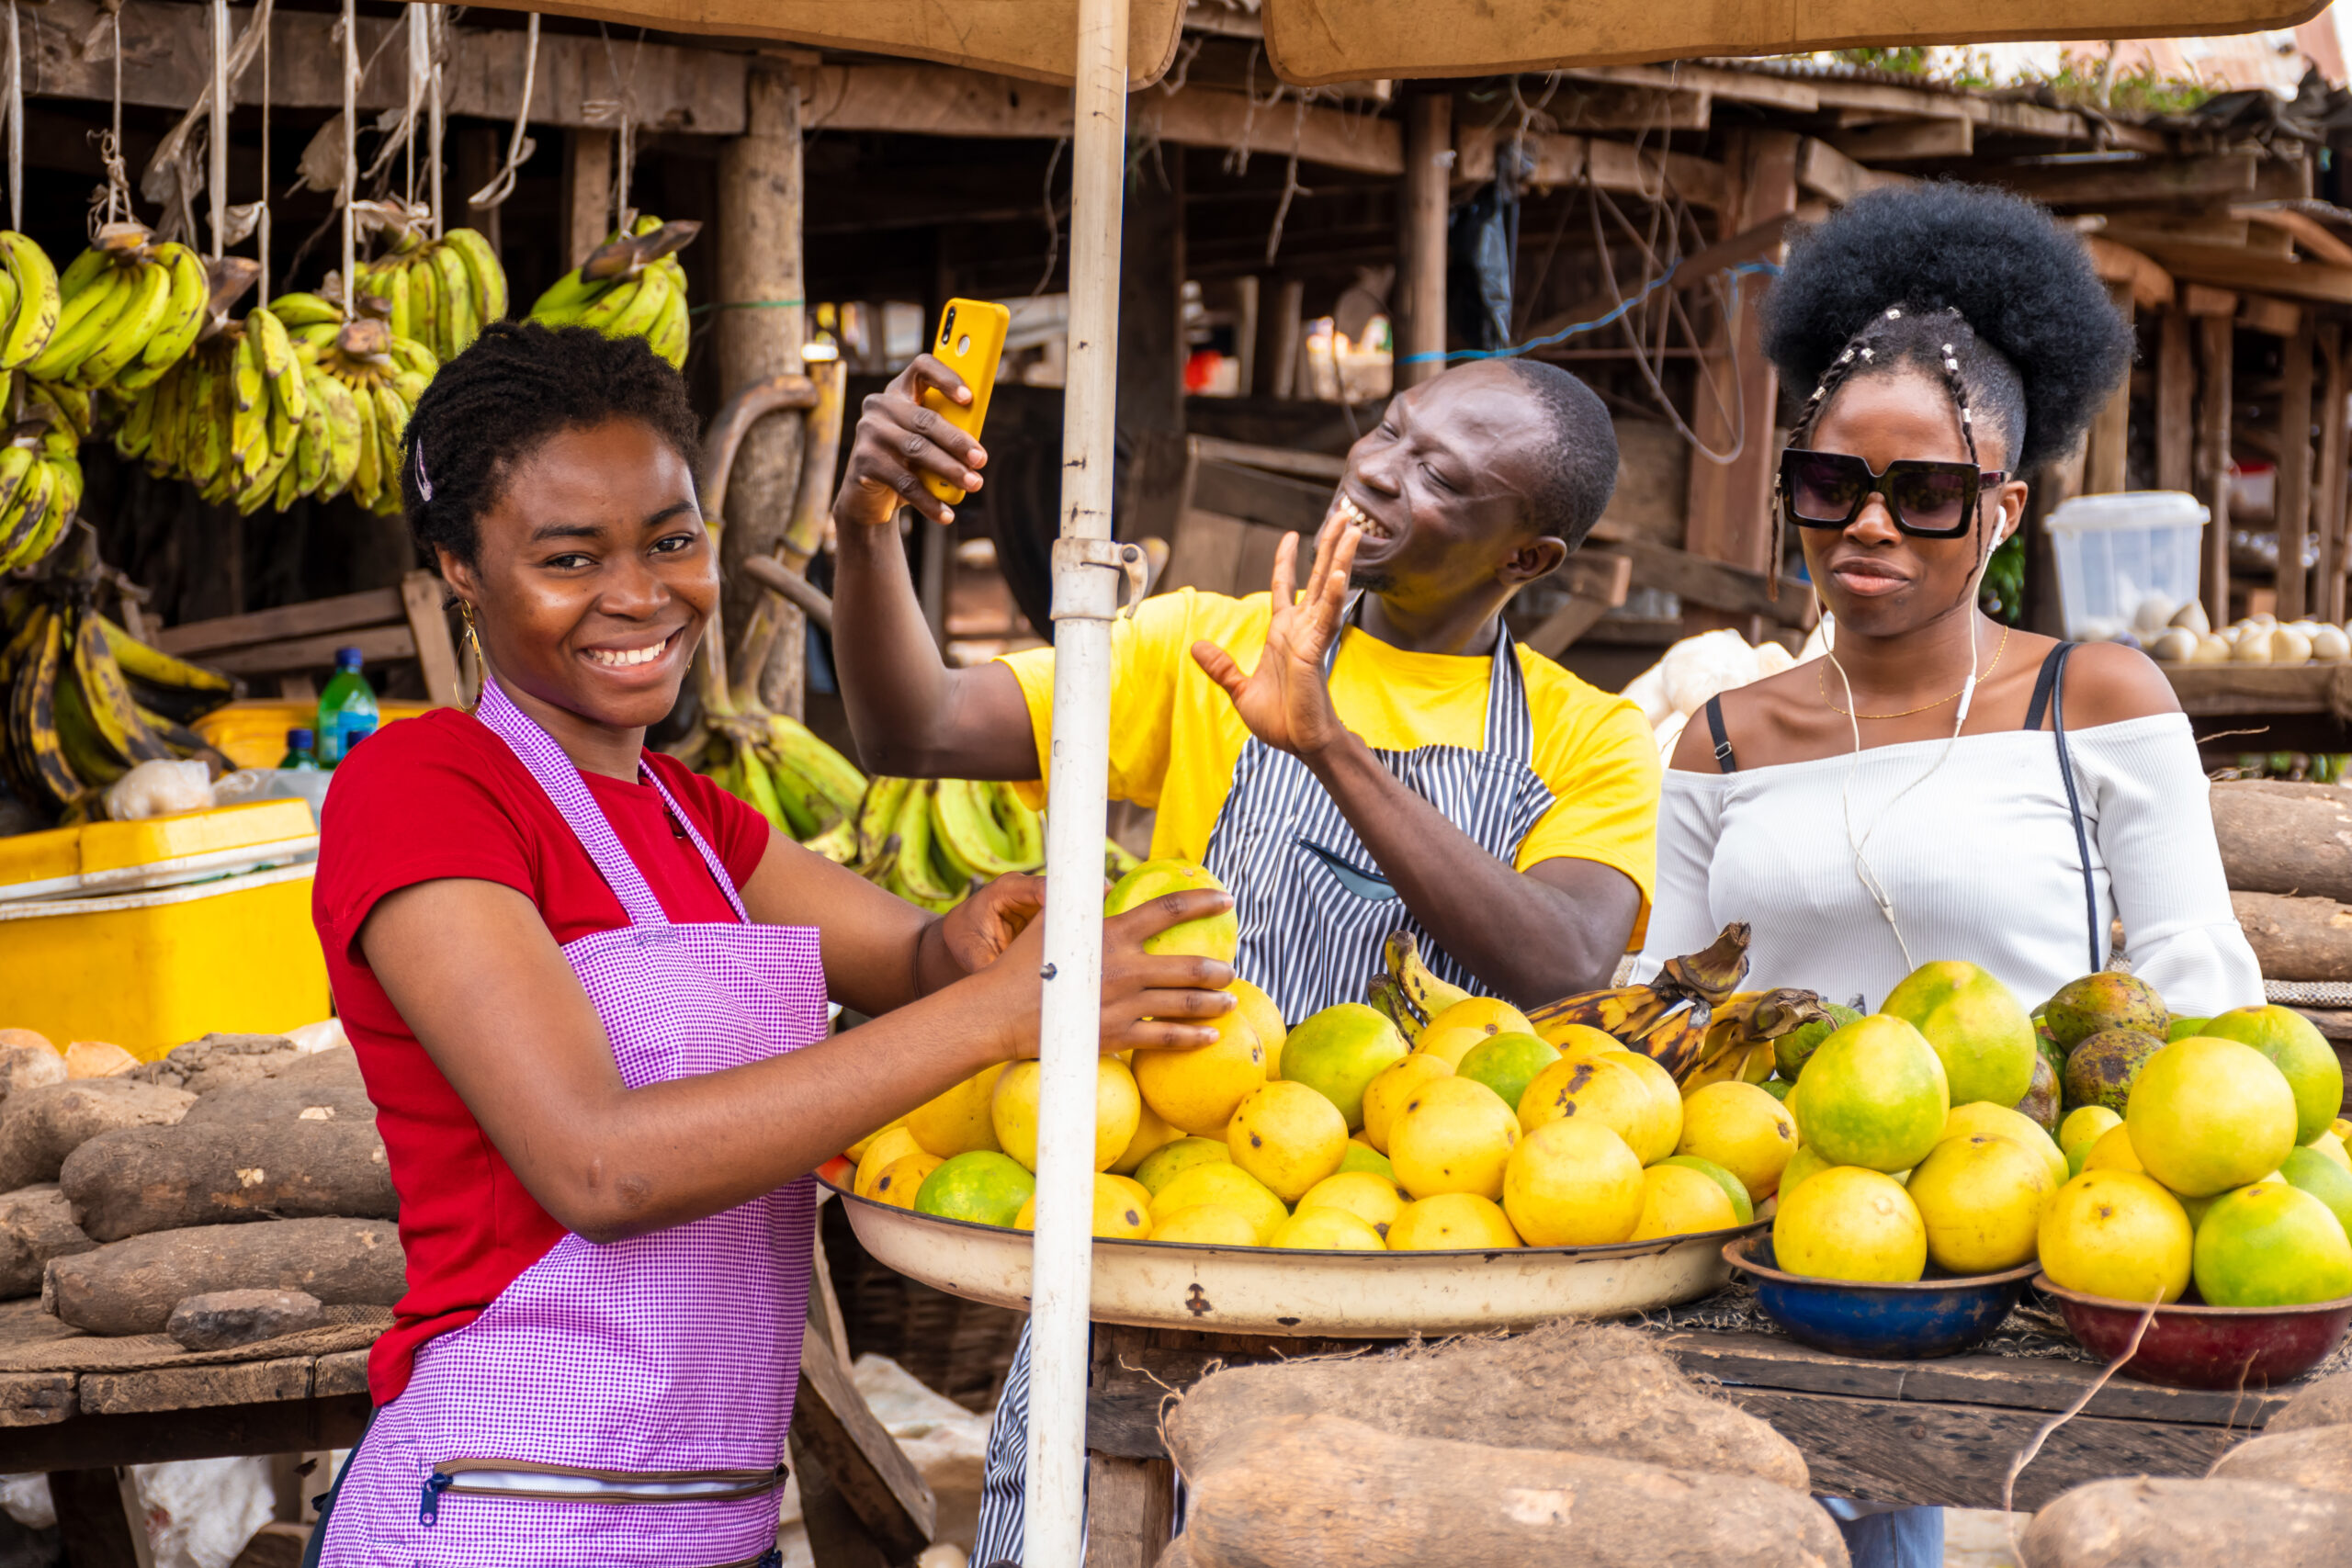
1939, 1432
2287, 708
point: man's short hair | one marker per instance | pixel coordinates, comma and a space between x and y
1577, 470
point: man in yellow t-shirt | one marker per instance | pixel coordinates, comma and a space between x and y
1349, 765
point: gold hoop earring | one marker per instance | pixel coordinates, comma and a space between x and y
473, 644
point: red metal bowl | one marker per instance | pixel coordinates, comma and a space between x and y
2206, 1347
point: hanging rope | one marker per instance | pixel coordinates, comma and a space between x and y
113, 203
420, 79
261, 220
519, 147
218, 158
350, 155
16, 122
436, 42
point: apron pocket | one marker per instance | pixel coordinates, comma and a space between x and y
520, 1480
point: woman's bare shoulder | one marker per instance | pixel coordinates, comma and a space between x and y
1757, 707
2108, 683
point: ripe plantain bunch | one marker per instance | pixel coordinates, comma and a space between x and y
440, 292
28, 300
85, 700
228, 417
379, 373
631, 285
131, 308
778, 765
40, 473
1690, 1019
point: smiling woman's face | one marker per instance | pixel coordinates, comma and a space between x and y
1877, 580
594, 576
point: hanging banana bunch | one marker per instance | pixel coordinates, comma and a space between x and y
28, 300
129, 308
631, 285
85, 700
381, 372
40, 473
440, 292
228, 417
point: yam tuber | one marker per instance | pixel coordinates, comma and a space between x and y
97, 1059
41, 1126
1317, 1491
2154, 1522
2326, 1402
220, 1060
2317, 1457
36, 1224
24, 1066
137, 1179
2280, 837
322, 1087
1583, 1387
2297, 939
130, 1287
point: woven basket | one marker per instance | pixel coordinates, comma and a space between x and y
961, 1349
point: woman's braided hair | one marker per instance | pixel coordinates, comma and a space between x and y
518, 384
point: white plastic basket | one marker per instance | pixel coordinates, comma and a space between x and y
2126, 562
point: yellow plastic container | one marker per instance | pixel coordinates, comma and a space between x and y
155, 852
151, 970
251, 734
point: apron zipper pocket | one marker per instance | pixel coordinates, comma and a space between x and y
530, 1482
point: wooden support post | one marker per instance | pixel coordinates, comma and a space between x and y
2218, 343
587, 192
95, 1508
2110, 431
2295, 467
1279, 329
2176, 403
1417, 318
479, 152
1730, 504
1246, 303
2329, 498
1151, 324
758, 333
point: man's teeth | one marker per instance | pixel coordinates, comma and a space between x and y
633, 656
1356, 515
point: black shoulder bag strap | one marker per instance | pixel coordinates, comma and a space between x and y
2055, 675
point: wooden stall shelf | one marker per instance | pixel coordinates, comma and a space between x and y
294, 642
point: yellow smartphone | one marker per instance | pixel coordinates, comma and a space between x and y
970, 341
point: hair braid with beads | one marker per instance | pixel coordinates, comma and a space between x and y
515, 386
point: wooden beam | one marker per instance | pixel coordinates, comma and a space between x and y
1832, 175
2249, 272
864, 1461
2149, 286
1729, 503
2176, 403
1599, 585
2272, 318
2217, 338
1615, 166
1420, 315
2301, 228
1944, 137
1608, 106
2198, 299
931, 100
165, 51
587, 192
1760, 244
1730, 86
2295, 467
2122, 182
2110, 434
2328, 486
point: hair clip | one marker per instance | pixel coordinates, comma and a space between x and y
1893, 314
1868, 354
423, 479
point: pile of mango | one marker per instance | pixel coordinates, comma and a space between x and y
1341, 1134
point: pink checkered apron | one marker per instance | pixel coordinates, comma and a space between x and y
620, 1403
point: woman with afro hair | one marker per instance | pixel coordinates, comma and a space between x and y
587, 988
1941, 786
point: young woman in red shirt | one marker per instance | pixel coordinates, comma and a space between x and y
588, 988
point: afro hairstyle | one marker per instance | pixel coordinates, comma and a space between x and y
2025, 287
513, 387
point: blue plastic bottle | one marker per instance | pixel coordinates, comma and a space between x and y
346, 708
300, 749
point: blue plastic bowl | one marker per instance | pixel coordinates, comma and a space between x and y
1880, 1322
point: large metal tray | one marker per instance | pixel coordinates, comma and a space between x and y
1260, 1290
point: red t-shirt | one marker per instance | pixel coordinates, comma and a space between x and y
441, 796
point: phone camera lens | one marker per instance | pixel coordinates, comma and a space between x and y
947, 326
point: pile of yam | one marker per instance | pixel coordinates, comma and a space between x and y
235, 1163
2282, 1500
2286, 853
1577, 1444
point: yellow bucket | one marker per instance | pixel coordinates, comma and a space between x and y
151, 970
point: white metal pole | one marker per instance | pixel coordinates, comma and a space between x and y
1085, 595
219, 174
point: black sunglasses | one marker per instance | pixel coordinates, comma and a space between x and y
1929, 501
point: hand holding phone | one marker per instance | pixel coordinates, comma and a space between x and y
970, 342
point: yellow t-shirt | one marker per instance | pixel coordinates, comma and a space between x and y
1175, 735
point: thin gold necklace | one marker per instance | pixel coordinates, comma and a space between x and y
1821, 682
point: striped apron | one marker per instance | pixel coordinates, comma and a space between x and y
620, 1403
1314, 912
1313, 907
